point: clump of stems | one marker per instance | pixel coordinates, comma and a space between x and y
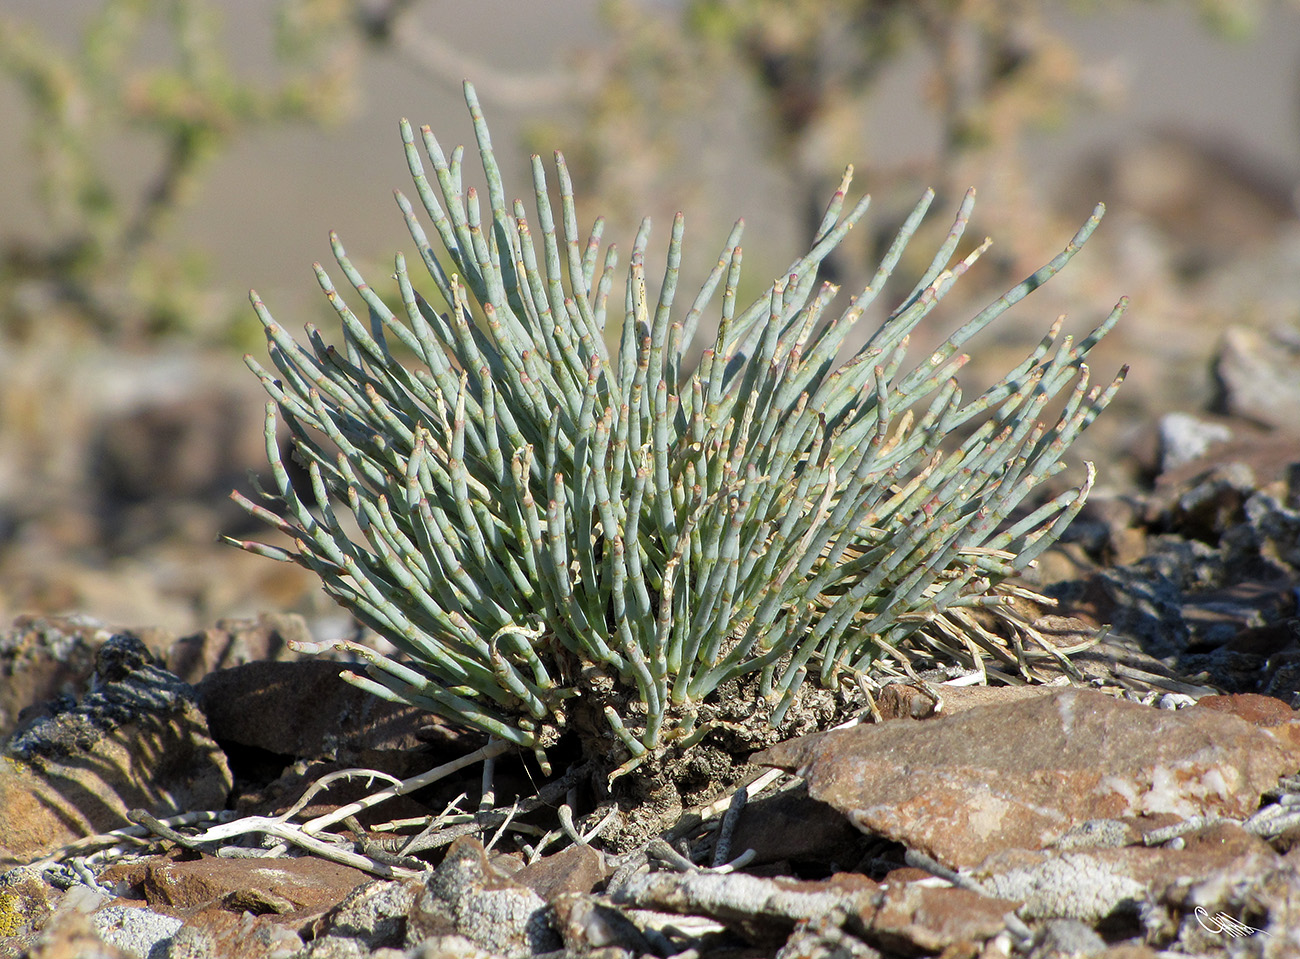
550, 511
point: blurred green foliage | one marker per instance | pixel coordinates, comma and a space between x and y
158, 79
101, 252
995, 71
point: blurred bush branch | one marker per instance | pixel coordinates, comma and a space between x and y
181, 102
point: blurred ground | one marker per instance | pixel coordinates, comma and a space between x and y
115, 464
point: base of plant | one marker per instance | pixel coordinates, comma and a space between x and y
673, 778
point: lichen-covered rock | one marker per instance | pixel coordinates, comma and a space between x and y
26, 901
373, 914
467, 896
136, 740
137, 932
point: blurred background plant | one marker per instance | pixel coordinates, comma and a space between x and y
150, 80
163, 155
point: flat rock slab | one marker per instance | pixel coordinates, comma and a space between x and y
1020, 774
1091, 884
285, 887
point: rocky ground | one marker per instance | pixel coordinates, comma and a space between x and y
1145, 805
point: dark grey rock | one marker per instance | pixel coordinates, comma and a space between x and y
127, 683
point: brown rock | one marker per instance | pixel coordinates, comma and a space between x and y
304, 709
1020, 775
912, 916
1252, 707
574, 869
286, 887
1268, 640
44, 658
790, 825
234, 642
905, 874
1225, 846
1213, 866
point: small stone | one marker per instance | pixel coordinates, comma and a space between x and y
450, 946
373, 913
586, 924
573, 869
72, 935
190, 942
1099, 834
1213, 504
1184, 438
1260, 377
332, 948
915, 917
466, 896
1067, 937
904, 701
214, 932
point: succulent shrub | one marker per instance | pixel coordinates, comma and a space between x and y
523, 485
